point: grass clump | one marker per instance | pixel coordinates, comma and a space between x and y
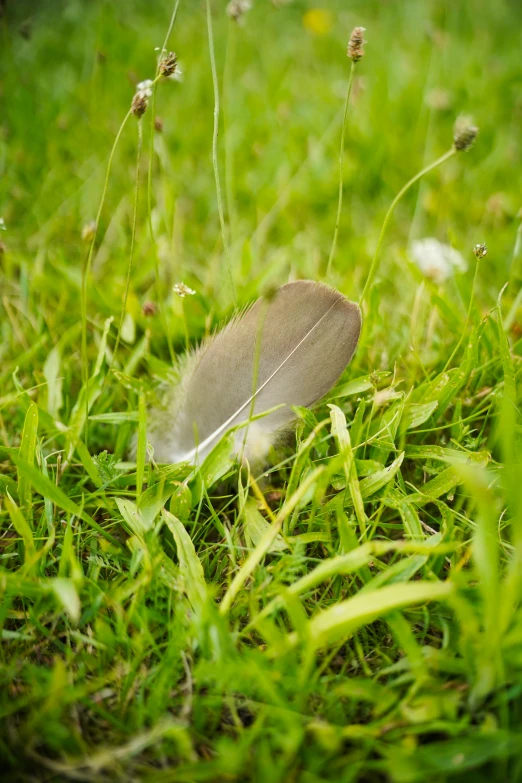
352, 613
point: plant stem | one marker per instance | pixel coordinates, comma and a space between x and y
185, 326
214, 147
87, 268
400, 194
164, 322
230, 57
341, 163
133, 242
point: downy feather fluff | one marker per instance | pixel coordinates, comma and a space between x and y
288, 350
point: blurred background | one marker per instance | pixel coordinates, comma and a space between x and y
69, 70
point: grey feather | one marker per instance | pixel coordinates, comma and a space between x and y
286, 351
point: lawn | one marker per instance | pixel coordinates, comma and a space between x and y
348, 610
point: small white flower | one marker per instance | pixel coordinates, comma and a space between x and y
437, 261
144, 88
237, 8
183, 290
3, 226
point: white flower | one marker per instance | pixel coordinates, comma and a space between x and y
3, 226
144, 88
183, 290
237, 8
437, 261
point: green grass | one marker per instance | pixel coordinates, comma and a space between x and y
354, 613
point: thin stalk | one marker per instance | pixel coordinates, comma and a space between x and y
169, 31
468, 317
185, 326
164, 322
86, 269
215, 134
255, 377
133, 241
341, 164
400, 194
230, 57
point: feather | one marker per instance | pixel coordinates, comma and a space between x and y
284, 351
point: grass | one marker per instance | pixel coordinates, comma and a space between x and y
354, 613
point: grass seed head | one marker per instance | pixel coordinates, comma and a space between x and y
236, 9
141, 99
139, 104
480, 250
169, 64
464, 134
145, 87
356, 44
149, 309
89, 231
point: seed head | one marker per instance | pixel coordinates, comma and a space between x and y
89, 231
464, 134
236, 9
158, 124
169, 64
139, 104
356, 44
141, 99
480, 250
149, 308
145, 87
183, 290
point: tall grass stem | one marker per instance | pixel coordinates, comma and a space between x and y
163, 318
215, 161
86, 269
133, 241
228, 87
341, 166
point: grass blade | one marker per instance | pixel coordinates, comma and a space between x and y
26, 454
189, 563
341, 620
45, 487
342, 439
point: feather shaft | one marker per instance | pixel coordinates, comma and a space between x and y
287, 351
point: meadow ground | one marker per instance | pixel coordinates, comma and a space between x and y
154, 626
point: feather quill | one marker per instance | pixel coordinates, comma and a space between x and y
284, 351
